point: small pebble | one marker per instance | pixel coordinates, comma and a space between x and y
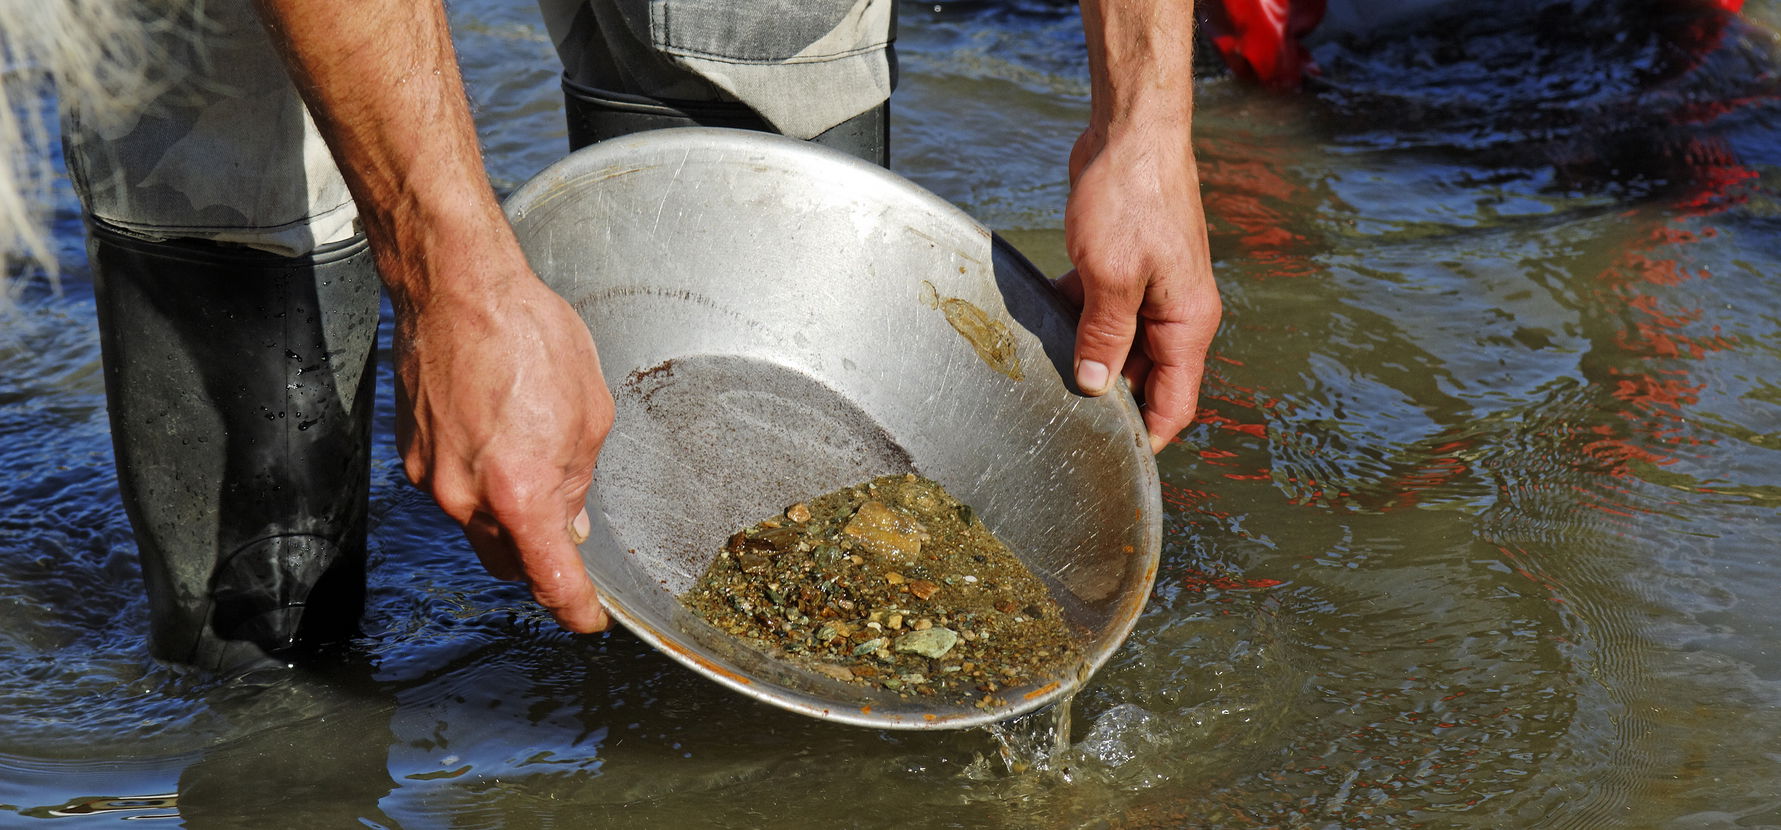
896, 621
893, 578
799, 512
922, 589
931, 643
868, 646
923, 624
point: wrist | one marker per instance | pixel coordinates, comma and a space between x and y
1163, 133
1141, 64
428, 259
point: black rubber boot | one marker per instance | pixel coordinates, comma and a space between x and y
598, 114
241, 388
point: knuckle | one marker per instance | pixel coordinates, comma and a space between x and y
414, 467
457, 502
1105, 334
513, 489
1206, 313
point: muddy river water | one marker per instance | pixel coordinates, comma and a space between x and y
1478, 527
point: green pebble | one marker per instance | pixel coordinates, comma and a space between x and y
931, 643
868, 646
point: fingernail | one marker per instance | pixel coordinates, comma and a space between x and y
1091, 376
1158, 444
578, 529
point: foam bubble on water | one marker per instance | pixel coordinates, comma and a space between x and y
1119, 735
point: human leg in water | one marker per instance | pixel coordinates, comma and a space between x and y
240, 386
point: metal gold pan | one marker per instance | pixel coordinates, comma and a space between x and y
777, 320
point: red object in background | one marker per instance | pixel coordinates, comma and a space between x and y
1260, 39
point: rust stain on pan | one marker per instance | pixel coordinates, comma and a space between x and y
991, 339
1042, 690
703, 661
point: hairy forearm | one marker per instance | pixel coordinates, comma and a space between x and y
1140, 56
381, 79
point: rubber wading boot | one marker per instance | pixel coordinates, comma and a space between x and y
241, 388
598, 114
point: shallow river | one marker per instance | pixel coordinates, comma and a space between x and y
1477, 527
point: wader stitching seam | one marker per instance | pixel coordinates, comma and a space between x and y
294, 223
690, 52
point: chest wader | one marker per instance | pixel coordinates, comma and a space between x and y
598, 114
241, 389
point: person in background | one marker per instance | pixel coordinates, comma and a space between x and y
287, 161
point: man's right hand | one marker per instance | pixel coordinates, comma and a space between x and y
501, 410
502, 406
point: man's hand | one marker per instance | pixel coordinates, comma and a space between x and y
1134, 227
502, 406
501, 410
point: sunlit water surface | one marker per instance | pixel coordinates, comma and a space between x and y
1478, 525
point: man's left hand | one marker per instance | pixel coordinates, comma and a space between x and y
1136, 233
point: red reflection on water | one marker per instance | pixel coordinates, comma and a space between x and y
1198, 580
1245, 193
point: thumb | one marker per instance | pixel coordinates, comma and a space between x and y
1104, 333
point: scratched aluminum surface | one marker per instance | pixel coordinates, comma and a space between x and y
788, 321
1475, 528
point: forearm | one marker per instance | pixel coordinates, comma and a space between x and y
382, 82
1140, 58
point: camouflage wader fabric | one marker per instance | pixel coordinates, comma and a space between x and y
222, 148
